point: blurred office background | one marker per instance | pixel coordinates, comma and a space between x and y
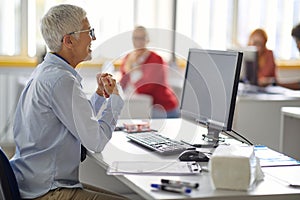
209, 24
212, 24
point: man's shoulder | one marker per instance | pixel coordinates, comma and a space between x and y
52, 73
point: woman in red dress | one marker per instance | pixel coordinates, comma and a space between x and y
145, 72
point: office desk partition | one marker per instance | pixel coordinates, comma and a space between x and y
290, 131
257, 117
120, 149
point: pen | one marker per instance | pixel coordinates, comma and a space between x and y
174, 183
182, 190
295, 185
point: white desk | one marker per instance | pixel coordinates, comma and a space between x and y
120, 149
290, 132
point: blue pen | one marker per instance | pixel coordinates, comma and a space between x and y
174, 183
182, 190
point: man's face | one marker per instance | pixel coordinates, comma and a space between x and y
82, 47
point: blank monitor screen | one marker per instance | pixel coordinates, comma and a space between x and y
210, 87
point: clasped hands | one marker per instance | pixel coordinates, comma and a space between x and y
106, 85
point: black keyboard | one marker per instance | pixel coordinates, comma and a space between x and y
158, 142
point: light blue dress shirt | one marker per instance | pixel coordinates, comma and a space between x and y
53, 118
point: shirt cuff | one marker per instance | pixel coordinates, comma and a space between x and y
97, 101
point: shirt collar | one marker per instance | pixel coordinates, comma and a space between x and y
58, 60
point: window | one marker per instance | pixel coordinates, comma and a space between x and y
105, 17
207, 22
10, 24
276, 17
113, 21
212, 24
222, 24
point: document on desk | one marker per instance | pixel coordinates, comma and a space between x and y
287, 175
271, 158
155, 168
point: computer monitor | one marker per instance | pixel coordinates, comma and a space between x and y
210, 88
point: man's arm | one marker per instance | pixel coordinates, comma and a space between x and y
76, 113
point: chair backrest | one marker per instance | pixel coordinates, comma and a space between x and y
9, 185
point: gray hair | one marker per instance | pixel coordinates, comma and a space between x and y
59, 21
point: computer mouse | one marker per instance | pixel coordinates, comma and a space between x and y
193, 155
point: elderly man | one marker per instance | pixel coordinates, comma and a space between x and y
53, 117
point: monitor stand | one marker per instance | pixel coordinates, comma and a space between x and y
211, 140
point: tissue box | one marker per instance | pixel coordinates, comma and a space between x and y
233, 167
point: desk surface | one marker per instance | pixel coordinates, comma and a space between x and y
291, 111
269, 93
120, 149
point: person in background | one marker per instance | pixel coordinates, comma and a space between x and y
54, 118
266, 62
296, 35
145, 72
266, 73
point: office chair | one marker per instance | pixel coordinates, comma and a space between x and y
9, 186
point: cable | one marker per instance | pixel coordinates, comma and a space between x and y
232, 136
245, 140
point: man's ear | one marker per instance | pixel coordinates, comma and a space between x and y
67, 41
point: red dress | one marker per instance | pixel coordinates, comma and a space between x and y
267, 66
153, 81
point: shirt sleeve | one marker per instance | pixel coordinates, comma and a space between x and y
77, 113
97, 101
